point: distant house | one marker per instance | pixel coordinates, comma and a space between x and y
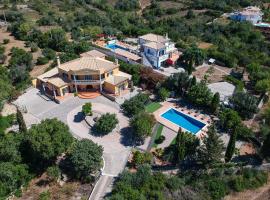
251, 14
157, 50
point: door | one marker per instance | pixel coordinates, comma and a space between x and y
65, 91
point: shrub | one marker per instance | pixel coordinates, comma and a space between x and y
6, 41
135, 105
106, 123
34, 47
163, 94
237, 184
140, 158
174, 183
248, 179
245, 104
217, 188
87, 109
42, 60
133, 70
45, 196
48, 53
127, 5
53, 173
160, 139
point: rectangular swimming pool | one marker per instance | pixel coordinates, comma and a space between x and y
115, 46
182, 120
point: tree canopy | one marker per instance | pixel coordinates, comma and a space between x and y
45, 141
106, 123
85, 157
200, 95
245, 104
142, 125
211, 150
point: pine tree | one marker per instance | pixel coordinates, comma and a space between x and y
21, 122
265, 149
193, 81
212, 148
215, 102
185, 145
180, 147
231, 146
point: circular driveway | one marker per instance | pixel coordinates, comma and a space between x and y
115, 151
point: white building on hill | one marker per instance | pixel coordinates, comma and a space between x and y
252, 14
157, 50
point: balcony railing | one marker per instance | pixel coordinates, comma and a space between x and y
85, 81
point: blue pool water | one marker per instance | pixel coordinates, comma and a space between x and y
190, 124
115, 46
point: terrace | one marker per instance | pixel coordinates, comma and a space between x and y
195, 115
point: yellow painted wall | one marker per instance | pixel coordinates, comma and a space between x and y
109, 87
116, 70
35, 83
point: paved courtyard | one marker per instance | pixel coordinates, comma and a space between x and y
116, 145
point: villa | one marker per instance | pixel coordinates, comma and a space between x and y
157, 50
91, 73
251, 14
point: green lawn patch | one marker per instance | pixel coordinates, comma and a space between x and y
173, 141
159, 132
152, 107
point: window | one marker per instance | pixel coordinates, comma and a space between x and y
88, 77
75, 77
65, 76
161, 53
110, 73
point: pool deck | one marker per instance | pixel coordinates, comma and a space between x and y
200, 117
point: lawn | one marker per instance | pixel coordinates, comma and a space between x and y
152, 107
159, 132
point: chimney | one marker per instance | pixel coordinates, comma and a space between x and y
58, 61
116, 61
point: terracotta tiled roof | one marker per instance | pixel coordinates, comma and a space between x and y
155, 45
49, 74
93, 53
52, 77
58, 81
154, 38
90, 63
118, 78
127, 54
115, 80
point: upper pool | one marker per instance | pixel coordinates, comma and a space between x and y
114, 46
188, 123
